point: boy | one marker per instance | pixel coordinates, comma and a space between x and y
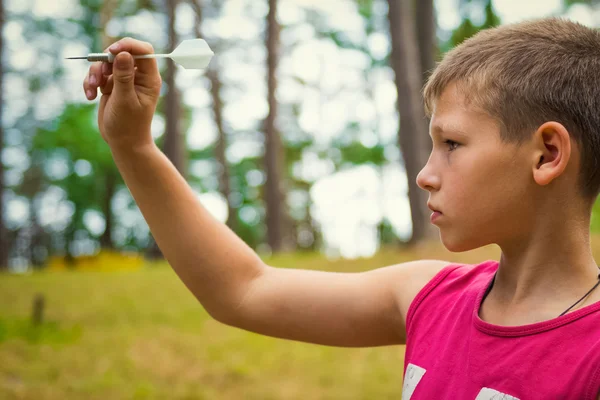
515, 125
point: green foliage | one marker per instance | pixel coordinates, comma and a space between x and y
386, 233
356, 153
75, 131
468, 28
595, 222
251, 231
72, 137
90, 23
365, 8
569, 3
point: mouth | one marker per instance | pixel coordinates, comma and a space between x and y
436, 213
434, 216
433, 209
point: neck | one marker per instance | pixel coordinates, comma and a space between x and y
552, 264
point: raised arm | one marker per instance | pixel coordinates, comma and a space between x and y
223, 273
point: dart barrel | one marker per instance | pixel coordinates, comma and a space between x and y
104, 57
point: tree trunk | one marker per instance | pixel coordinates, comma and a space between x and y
69, 235
224, 175
412, 133
106, 240
217, 104
274, 195
38, 242
110, 177
173, 145
4, 242
428, 49
426, 36
106, 14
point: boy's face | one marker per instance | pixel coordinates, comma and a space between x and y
477, 182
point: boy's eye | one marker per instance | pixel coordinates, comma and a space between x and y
451, 144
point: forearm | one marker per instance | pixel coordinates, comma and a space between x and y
215, 264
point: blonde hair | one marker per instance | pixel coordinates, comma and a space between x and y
528, 73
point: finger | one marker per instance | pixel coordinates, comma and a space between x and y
89, 90
108, 87
137, 47
107, 69
95, 75
124, 79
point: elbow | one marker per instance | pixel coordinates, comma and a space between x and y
222, 314
238, 305
222, 317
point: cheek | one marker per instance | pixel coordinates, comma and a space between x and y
487, 194
487, 203
468, 182
483, 170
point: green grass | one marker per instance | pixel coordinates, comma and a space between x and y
142, 335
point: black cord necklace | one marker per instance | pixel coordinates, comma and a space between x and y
564, 312
584, 296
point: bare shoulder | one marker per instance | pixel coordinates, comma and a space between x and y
410, 278
413, 276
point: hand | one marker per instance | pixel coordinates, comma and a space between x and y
130, 90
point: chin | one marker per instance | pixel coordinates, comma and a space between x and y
458, 244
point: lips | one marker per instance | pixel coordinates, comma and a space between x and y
432, 208
435, 215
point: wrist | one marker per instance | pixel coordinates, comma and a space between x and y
132, 149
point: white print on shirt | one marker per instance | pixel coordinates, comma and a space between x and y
412, 377
491, 394
414, 374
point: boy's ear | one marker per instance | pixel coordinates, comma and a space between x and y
552, 144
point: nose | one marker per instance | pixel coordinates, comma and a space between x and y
427, 179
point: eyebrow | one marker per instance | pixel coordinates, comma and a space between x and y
447, 128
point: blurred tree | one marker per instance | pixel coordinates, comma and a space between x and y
4, 245
73, 139
110, 175
212, 73
106, 14
428, 48
46, 37
43, 36
426, 36
173, 145
277, 221
38, 241
569, 3
467, 27
173, 142
412, 133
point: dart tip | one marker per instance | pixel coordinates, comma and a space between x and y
75, 58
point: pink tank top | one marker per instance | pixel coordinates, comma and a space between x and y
452, 354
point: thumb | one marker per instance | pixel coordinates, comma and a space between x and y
123, 75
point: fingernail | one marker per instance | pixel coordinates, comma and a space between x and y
93, 80
89, 94
114, 47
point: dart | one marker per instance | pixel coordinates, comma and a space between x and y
190, 54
